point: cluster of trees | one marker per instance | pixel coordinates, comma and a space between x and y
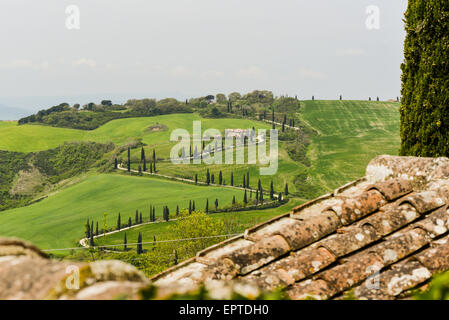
92, 115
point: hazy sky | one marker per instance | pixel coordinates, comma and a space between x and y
184, 48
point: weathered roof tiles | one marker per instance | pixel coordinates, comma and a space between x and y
385, 225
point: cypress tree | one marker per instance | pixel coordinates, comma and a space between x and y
280, 197
245, 198
425, 78
154, 155
137, 217
154, 214
91, 229
119, 224
145, 165
233, 200
259, 185
193, 205
257, 196
247, 179
196, 178
175, 257
244, 181
129, 222
190, 206
207, 205
96, 231
87, 229
129, 159
232, 178
177, 211
154, 167
208, 177
92, 242
261, 196
151, 167
140, 218
212, 178
140, 169
125, 242
139, 244
115, 163
142, 154
216, 204
271, 190
154, 242
286, 189
220, 178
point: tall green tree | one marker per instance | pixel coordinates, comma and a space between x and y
125, 242
119, 223
207, 206
271, 190
129, 159
139, 244
425, 80
286, 189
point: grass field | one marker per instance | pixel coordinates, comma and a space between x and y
58, 221
244, 219
351, 133
31, 138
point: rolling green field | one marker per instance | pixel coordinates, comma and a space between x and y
31, 138
351, 133
245, 219
58, 221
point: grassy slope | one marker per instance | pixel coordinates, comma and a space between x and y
351, 133
58, 221
245, 219
30, 138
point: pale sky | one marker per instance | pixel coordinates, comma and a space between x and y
186, 48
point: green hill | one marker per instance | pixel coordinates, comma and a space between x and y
31, 138
349, 135
58, 221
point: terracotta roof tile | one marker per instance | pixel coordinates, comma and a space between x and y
389, 229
